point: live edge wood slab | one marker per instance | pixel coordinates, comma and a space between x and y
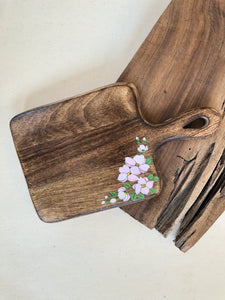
76, 152
180, 66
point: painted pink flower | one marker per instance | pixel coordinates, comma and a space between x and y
113, 200
126, 173
137, 164
143, 186
123, 195
142, 148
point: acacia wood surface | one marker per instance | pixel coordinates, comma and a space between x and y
71, 151
181, 65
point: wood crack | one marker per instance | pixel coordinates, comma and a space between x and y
215, 187
184, 185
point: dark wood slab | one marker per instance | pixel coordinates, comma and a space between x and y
181, 65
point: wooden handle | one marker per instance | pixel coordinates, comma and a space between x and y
197, 123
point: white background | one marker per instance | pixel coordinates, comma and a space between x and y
50, 50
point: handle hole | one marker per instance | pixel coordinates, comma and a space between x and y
197, 123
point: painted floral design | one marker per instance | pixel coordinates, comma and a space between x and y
143, 186
135, 176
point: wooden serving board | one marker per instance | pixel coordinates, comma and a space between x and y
94, 152
181, 66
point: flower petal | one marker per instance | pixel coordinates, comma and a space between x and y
127, 198
140, 159
125, 169
145, 191
142, 181
132, 178
144, 168
121, 195
135, 171
103, 202
121, 189
137, 188
150, 184
130, 161
113, 200
122, 177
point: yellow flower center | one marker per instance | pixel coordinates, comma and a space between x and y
137, 165
129, 173
143, 186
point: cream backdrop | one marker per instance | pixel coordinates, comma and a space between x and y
50, 50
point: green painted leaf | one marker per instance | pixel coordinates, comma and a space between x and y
106, 202
126, 185
148, 161
141, 196
153, 191
113, 194
156, 179
150, 176
133, 197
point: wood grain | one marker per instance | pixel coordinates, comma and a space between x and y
71, 151
181, 65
